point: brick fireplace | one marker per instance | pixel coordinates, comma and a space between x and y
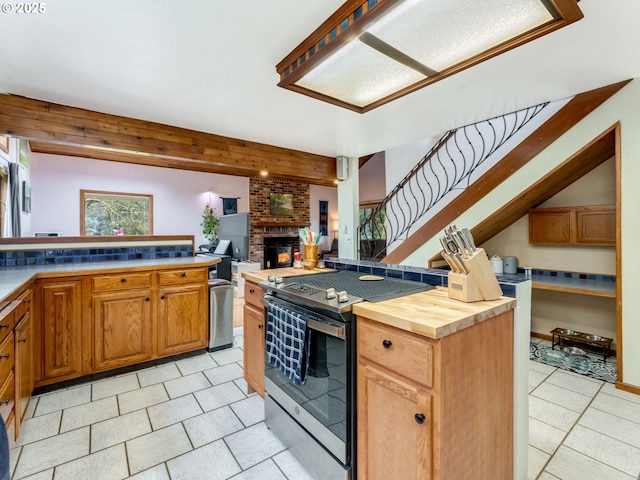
275, 230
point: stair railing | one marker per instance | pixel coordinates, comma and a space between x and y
447, 169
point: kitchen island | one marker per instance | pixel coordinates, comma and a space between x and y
435, 383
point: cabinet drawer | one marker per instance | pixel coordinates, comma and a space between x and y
8, 319
7, 396
401, 352
7, 350
25, 304
252, 294
120, 282
174, 277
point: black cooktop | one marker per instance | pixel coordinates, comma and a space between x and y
370, 290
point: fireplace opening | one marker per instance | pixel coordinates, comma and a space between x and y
278, 257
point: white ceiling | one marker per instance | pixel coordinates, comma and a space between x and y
209, 65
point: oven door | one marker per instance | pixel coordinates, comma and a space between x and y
321, 405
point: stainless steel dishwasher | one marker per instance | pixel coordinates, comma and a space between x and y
220, 314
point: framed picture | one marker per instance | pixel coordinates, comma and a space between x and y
229, 206
281, 203
26, 197
23, 153
112, 213
4, 144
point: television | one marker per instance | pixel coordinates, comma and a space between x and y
235, 227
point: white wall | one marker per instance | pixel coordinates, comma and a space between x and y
373, 179
330, 194
179, 196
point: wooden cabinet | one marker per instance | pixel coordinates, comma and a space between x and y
122, 328
16, 361
254, 338
24, 365
182, 312
58, 336
435, 409
585, 225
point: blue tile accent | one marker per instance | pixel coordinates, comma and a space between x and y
414, 276
357, 13
394, 273
41, 257
344, 24
364, 269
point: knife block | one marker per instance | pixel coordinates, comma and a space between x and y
479, 284
463, 287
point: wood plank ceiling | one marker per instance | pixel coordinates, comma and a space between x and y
63, 130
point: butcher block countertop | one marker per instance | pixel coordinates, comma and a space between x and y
431, 314
258, 276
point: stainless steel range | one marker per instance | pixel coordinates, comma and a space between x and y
316, 420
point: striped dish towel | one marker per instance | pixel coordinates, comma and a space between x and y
287, 344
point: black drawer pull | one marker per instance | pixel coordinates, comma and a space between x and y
183, 274
260, 327
5, 356
123, 280
4, 326
22, 340
27, 300
5, 402
386, 343
251, 290
420, 418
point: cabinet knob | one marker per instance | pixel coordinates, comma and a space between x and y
5, 356
23, 340
162, 297
420, 418
386, 343
123, 280
183, 274
147, 299
5, 402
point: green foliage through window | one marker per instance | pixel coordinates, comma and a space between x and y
116, 214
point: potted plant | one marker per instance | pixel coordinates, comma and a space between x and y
209, 224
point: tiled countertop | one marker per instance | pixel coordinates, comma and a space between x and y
13, 278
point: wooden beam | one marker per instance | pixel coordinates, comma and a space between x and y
568, 116
63, 130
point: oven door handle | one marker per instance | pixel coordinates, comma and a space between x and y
326, 328
329, 329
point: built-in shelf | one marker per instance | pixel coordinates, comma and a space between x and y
597, 288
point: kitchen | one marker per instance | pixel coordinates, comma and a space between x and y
620, 108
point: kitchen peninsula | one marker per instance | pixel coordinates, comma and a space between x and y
66, 321
434, 374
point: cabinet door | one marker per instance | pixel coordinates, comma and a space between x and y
23, 366
394, 426
59, 339
550, 226
122, 328
254, 349
596, 226
182, 319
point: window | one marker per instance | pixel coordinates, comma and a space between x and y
111, 213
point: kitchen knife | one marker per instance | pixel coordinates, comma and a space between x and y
447, 258
457, 258
470, 241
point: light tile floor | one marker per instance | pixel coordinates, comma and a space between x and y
580, 428
191, 419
